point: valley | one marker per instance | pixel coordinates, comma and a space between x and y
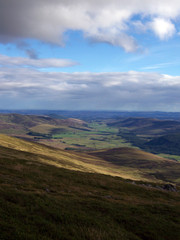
68, 178
159, 136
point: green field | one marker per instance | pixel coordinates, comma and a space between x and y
100, 136
169, 156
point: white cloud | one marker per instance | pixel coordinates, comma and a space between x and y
163, 28
120, 91
101, 20
118, 39
37, 63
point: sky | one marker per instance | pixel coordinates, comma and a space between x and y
90, 55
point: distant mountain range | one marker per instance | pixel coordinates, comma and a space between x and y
95, 115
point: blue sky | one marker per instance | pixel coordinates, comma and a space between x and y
155, 55
96, 55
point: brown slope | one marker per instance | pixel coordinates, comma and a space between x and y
126, 163
17, 124
33, 120
148, 164
147, 126
65, 159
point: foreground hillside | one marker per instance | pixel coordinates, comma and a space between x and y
39, 200
132, 164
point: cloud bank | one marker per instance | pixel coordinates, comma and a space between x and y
21, 88
37, 63
107, 21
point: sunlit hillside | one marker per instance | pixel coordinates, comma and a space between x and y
41, 198
131, 164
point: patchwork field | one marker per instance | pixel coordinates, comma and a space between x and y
98, 137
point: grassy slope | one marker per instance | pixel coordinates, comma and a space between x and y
41, 201
67, 159
149, 165
153, 171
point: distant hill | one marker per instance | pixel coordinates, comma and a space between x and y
134, 122
147, 126
17, 124
169, 144
33, 120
